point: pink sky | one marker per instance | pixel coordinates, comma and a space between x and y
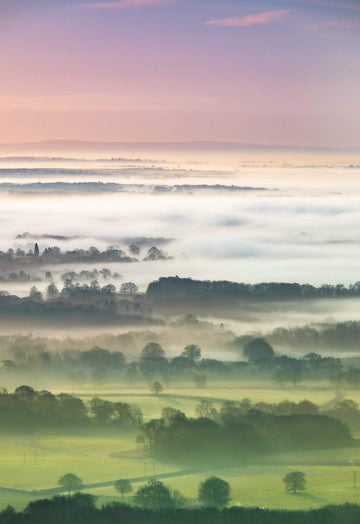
276, 72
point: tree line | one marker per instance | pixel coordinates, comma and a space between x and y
27, 410
80, 303
99, 365
81, 509
54, 255
326, 336
235, 434
175, 288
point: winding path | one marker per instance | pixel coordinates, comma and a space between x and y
134, 480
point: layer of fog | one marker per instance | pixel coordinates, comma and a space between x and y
263, 317
303, 180
307, 231
250, 318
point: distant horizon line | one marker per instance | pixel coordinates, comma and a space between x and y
177, 143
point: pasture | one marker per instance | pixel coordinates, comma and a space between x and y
262, 486
35, 462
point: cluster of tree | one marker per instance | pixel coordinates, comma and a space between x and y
113, 187
231, 409
89, 276
261, 362
45, 236
96, 365
85, 292
155, 253
121, 414
213, 492
130, 341
27, 409
32, 359
81, 508
78, 303
153, 363
343, 335
284, 369
236, 435
24, 357
21, 276
54, 255
346, 410
187, 289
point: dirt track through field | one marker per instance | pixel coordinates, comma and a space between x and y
134, 480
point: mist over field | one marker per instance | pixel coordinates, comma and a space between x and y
266, 229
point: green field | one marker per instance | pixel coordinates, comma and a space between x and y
98, 458
185, 398
262, 486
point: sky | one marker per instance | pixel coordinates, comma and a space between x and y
282, 72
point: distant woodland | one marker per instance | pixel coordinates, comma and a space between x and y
175, 288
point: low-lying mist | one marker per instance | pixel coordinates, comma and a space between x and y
245, 237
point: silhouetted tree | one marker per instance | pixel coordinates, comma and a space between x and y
153, 361
214, 492
70, 482
294, 481
154, 495
156, 388
128, 288
258, 349
25, 392
169, 415
101, 409
35, 294
152, 350
134, 249
52, 292
192, 352
123, 486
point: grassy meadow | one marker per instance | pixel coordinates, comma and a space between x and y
35, 462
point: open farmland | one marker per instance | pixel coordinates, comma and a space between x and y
34, 462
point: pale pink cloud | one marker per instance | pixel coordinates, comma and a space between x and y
126, 4
250, 20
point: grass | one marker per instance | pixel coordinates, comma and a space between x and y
97, 458
185, 397
251, 486
90, 457
262, 486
